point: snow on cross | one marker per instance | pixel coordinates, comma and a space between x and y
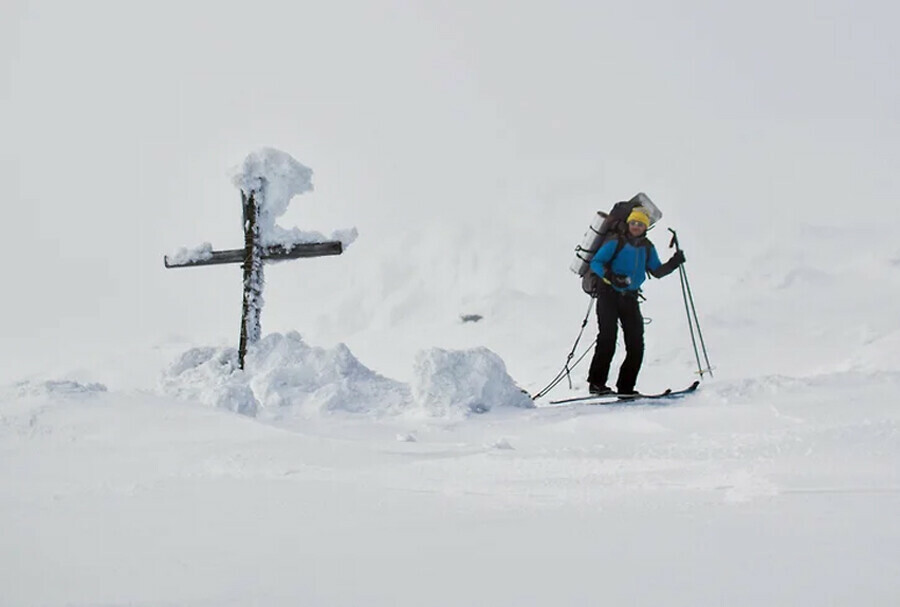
268, 179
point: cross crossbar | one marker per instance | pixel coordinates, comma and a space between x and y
272, 252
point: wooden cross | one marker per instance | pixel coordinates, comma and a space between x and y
252, 257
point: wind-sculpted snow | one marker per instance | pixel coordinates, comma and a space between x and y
286, 377
275, 177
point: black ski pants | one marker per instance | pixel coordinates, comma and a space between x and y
612, 307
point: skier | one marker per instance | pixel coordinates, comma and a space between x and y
622, 263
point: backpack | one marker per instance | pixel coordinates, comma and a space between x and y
606, 227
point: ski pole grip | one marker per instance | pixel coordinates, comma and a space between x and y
674, 241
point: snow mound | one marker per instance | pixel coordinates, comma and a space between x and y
502, 444
454, 383
285, 371
283, 376
211, 376
66, 387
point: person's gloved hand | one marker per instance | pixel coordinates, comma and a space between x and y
678, 257
617, 280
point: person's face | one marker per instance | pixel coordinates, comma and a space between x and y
636, 228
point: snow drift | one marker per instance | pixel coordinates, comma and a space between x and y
451, 383
284, 377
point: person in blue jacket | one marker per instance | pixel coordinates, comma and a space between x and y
622, 264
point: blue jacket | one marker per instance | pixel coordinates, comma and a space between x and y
636, 258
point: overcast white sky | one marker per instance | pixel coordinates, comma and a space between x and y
120, 121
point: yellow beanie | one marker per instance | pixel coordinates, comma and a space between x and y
638, 214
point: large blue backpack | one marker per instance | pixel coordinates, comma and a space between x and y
606, 227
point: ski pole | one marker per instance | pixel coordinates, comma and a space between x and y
690, 309
567, 368
697, 323
690, 323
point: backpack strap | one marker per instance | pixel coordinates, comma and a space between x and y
590, 282
620, 244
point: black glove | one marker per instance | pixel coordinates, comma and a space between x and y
677, 258
617, 280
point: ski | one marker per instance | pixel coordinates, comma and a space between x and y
638, 398
620, 399
608, 397
688, 390
576, 399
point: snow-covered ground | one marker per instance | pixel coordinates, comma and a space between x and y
314, 477
379, 449
768, 491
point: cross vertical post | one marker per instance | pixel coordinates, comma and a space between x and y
253, 276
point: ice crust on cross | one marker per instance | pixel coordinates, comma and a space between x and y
275, 177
